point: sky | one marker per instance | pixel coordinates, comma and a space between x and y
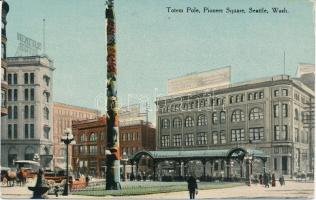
154, 45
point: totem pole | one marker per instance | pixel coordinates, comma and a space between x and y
113, 155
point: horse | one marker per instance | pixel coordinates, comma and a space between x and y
21, 177
10, 177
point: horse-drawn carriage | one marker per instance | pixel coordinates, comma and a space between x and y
19, 174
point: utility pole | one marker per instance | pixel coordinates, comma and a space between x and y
112, 121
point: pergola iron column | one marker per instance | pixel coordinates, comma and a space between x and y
204, 165
113, 157
228, 167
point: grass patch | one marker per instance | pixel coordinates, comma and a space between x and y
143, 188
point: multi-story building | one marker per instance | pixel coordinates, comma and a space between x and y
4, 83
63, 116
27, 129
266, 114
90, 136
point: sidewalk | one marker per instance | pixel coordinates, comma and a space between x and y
292, 189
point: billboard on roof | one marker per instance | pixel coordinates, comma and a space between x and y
216, 78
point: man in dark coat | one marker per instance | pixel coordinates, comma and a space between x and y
266, 180
192, 186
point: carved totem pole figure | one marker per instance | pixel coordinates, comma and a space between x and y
113, 157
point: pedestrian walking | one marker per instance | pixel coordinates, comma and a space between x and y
260, 179
56, 190
273, 180
266, 180
192, 187
281, 180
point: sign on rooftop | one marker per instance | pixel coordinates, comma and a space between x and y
27, 46
305, 69
216, 78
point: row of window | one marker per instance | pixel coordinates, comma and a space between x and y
13, 131
130, 136
13, 78
284, 92
305, 116
28, 112
276, 110
29, 94
76, 114
129, 150
12, 94
301, 137
237, 116
217, 138
93, 137
91, 149
28, 131
217, 101
28, 78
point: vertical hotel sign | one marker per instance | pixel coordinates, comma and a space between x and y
27, 46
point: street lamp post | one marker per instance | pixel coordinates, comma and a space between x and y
249, 160
67, 139
124, 159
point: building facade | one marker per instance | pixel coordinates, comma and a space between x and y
266, 114
4, 83
27, 129
63, 115
90, 136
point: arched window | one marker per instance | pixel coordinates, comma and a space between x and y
165, 123
242, 98
93, 137
201, 120
188, 122
296, 117
237, 98
238, 115
250, 96
231, 99
46, 113
29, 153
222, 117
177, 123
256, 95
218, 101
256, 113
46, 95
82, 138
12, 156
214, 118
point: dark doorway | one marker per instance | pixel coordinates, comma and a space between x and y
284, 164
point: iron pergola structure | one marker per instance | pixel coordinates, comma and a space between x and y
239, 154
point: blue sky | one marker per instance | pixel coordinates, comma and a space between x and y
154, 45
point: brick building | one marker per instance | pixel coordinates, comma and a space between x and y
63, 115
90, 136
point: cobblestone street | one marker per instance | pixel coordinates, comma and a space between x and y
292, 189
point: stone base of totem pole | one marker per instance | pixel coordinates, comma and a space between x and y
38, 192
